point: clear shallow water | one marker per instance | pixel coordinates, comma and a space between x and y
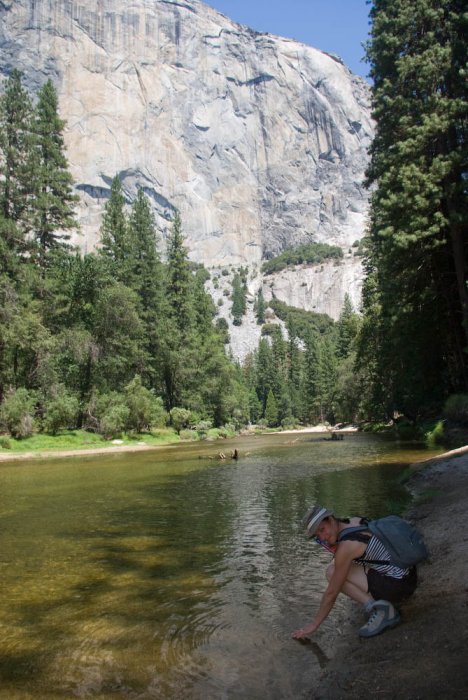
169, 574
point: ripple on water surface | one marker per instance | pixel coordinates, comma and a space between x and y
169, 574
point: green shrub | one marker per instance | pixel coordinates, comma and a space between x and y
110, 413
203, 426
309, 253
114, 421
436, 436
5, 443
289, 422
180, 418
456, 409
17, 413
188, 434
145, 409
60, 411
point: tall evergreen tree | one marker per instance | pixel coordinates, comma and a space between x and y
54, 199
347, 327
178, 354
238, 300
179, 285
294, 368
264, 371
271, 410
260, 307
116, 244
418, 243
146, 278
313, 389
16, 170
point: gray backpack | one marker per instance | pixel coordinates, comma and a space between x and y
403, 542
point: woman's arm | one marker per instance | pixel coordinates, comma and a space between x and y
345, 553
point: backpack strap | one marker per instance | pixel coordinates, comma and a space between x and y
354, 534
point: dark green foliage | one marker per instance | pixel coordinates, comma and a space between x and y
304, 321
223, 329
238, 299
77, 329
313, 384
456, 408
180, 418
145, 409
309, 253
17, 413
16, 166
260, 307
179, 286
59, 410
115, 236
347, 328
146, 276
255, 407
416, 306
118, 334
112, 340
54, 199
271, 410
108, 414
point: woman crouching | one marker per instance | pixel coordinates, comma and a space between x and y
360, 569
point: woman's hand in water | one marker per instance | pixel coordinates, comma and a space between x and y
304, 632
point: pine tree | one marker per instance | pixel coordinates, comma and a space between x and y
146, 278
264, 371
116, 244
418, 243
295, 357
179, 285
238, 300
54, 199
260, 307
178, 352
16, 171
313, 390
271, 410
348, 328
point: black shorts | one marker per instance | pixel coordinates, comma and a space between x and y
395, 590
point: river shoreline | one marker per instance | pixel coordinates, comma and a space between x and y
425, 656
9, 456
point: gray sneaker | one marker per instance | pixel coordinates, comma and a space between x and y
382, 617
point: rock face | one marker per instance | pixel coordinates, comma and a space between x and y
260, 142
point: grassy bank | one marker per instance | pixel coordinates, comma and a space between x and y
82, 440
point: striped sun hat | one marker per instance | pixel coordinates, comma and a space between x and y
313, 518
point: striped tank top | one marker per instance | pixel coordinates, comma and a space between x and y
376, 550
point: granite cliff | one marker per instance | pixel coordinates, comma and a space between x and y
260, 142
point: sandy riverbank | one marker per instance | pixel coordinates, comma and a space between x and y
9, 455
426, 656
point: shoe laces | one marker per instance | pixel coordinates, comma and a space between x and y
373, 616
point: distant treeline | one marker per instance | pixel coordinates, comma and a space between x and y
309, 253
120, 340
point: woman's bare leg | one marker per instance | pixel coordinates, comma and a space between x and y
355, 586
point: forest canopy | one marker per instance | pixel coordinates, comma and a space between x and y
121, 339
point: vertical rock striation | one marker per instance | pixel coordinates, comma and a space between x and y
260, 142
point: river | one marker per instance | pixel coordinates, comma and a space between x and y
171, 574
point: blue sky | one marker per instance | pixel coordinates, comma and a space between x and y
335, 26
